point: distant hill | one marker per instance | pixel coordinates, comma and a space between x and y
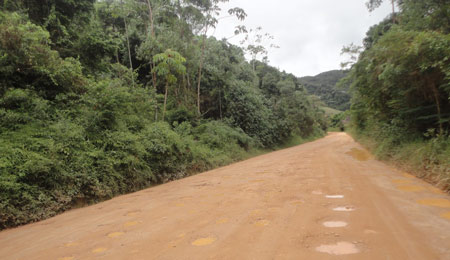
324, 86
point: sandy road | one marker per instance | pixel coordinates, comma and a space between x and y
327, 199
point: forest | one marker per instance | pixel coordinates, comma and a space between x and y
325, 86
400, 87
101, 98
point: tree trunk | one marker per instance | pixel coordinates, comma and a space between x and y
394, 19
165, 100
200, 73
188, 87
152, 29
128, 46
220, 103
438, 107
152, 65
117, 49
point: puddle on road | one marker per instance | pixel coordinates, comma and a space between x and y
132, 213
332, 224
334, 196
345, 208
115, 234
446, 215
341, 248
359, 154
441, 203
204, 241
130, 224
410, 188
99, 250
407, 175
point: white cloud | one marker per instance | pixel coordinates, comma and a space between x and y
310, 33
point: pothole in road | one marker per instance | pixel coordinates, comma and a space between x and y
262, 223
446, 215
334, 196
132, 213
204, 241
340, 248
130, 224
407, 175
360, 155
344, 208
99, 250
441, 203
334, 224
115, 234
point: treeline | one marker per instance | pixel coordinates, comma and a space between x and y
100, 98
401, 87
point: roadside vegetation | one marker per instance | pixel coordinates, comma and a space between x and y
401, 88
100, 98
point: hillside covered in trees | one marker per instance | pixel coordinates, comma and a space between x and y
100, 98
324, 86
401, 87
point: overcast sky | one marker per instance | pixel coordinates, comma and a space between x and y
310, 33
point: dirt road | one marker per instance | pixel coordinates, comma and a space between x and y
327, 199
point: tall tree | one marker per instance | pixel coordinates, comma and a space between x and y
374, 4
124, 16
211, 13
256, 43
169, 65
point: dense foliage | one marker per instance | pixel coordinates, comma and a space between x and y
103, 98
325, 87
401, 86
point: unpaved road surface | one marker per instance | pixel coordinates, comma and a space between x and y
327, 199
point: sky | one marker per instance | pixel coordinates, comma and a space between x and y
310, 33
